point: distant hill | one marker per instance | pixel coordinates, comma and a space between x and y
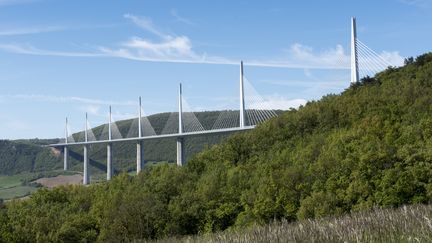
27, 155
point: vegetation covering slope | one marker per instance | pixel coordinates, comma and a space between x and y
369, 146
27, 156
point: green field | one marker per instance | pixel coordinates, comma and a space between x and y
12, 186
16, 192
17, 186
10, 181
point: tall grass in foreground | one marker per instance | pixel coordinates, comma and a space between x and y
405, 224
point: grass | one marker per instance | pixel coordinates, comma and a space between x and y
405, 224
11, 181
13, 187
17, 186
16, 192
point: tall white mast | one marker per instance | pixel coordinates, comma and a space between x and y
139, 119
180, 110
242, 105
109, 124
66, 131
354, 54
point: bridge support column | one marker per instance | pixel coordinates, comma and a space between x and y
180, 151
65, 148
109, 161
140, 156
109, 147
65, 158
86, 176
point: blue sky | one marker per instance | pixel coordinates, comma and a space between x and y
63, 58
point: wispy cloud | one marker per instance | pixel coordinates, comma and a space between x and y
179, 49
301, 56
277, 102
179, 18
147, 24
27, 31
48, 29
168, 48
76, 99
91, 109
30, 50
417, 3
393, 58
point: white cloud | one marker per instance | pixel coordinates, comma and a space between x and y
301, 56
169, 48
179, 18
147, 24
393, 58
174, 47
91, 109
277, 102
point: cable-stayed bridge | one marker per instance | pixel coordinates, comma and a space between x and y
184, 123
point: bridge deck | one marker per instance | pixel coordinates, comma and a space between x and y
174, 135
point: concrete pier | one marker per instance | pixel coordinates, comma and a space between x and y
65, 148
65, 157
180, 151
242, 105
86, 176
180, 148
140, 156
109, 162
109, 147
140, 145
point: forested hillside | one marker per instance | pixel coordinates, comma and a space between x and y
369, 146
27, 156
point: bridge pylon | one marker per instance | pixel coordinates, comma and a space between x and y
242, 103
354, 53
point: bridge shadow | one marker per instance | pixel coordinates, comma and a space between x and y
97, 164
